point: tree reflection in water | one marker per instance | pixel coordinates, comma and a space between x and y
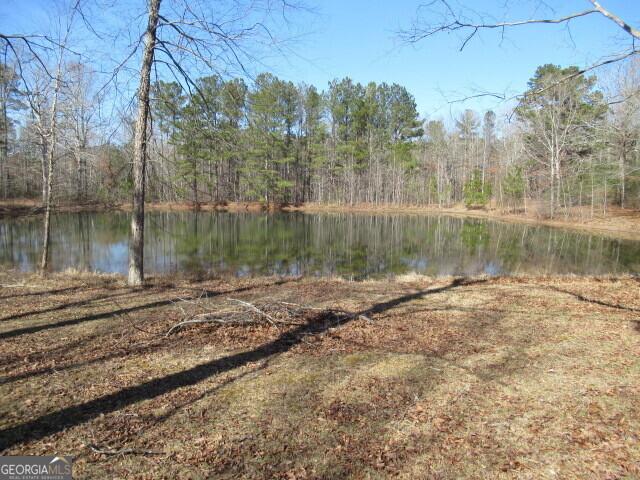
351, 245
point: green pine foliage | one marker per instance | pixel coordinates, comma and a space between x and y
476, 193
269, 142
513, 183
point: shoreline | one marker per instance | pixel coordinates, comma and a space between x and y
623, 224
609, 225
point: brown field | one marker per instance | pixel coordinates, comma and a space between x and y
412, 378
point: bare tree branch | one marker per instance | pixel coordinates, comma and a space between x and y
634, 32
453, 22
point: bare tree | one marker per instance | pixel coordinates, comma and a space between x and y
452, 21
42, 92
9, 100
80, 108
624, 124
51, 151
550, 134
438, 16
136, 245
38, 94
186, 36
51, 140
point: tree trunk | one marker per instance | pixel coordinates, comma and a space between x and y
43, 166
44, 261
4, 149
136, 242
194, 183
622, 162
81, 179
552, 199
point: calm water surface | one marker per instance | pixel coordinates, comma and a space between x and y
350, 245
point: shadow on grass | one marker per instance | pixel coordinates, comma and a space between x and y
43, 292
61, 368
63, 306
595, 301
68, 417
121, 311
54, 353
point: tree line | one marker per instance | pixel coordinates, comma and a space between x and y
275, 142
564, 146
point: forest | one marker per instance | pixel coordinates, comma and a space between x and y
575, 144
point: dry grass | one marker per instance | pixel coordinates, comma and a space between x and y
480, 378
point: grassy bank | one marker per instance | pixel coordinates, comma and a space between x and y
415, 378
621, 223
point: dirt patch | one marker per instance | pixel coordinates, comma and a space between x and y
533, 377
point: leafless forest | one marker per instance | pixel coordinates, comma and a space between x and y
569, 141
177, 116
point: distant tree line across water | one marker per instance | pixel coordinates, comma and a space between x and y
565, 145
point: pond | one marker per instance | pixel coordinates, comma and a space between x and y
349, 245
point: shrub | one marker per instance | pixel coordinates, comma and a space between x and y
476, 194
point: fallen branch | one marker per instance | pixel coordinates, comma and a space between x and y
205, 318
255, 309
124, 451
267, 312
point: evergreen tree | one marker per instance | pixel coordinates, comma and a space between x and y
560, 113
234, 109
272, 110
475, 193
198, 139
513, 184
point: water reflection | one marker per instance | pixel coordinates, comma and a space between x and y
355, 246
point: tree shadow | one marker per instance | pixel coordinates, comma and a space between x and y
63, 306
582, 298
141, 349
381, 307
602, 303
121, 311
193, 400
68, 417
43, 292
52, 353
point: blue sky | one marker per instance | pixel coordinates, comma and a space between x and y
357, 38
